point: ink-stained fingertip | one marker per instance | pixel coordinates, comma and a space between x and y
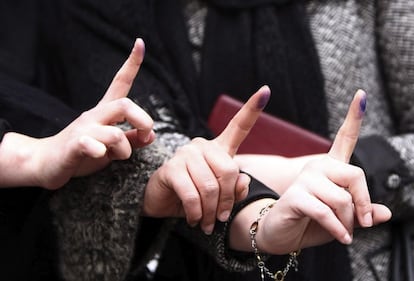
362, 102
264, 98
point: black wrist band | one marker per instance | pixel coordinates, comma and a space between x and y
257, 190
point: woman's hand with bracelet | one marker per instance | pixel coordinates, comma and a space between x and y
326, 201
202, 181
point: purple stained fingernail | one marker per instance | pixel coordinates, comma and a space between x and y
363, 105
264, 98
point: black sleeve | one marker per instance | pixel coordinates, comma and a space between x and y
385, 171
31, 111
4, 127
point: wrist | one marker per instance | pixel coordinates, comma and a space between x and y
292, 262
240, 226
18, 164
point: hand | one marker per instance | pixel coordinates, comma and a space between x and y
202, 180
91, 141
326, 201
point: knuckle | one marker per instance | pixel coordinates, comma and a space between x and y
116, 135
312, 165
198, 141
354, 173
210, 187
190, 200
187, 149
345, 200
231, 169
169, 166
147, 124
358, 172
363, 204
124, 103
227, 172
321, 212
193, 219
226, 203
85, 115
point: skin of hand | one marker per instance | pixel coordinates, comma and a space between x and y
264, 168
202, 181
86, 145
326, 201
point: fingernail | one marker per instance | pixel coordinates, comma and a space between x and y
264, 98
347, 239
367, 220
148, 137
363, 105
140, 41
192, 223
209, 229
224, 216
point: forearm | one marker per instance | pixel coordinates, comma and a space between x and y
239, 235
275, 171
106, 206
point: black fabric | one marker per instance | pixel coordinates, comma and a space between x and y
18, 33
4, 128
173, 40
265, 44
245, 48
380, 160
31, 111
402, 265
184, 261
27, 240
257, 190
246, 3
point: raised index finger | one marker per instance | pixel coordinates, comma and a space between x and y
347, 136
122, 82
240, 125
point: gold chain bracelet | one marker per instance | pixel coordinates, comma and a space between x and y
292, 262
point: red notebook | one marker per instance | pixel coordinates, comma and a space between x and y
270, 135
